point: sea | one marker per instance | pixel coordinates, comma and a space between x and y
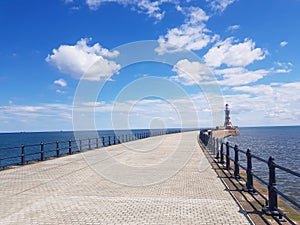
11, 151
282, 143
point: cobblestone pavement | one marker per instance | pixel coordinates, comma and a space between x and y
77, 190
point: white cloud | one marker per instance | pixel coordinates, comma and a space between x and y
267, 104
60, 91
95, 4
192, 35
190, 73
36, 117
231, 54
61, 82
151, 8
234, 76
196, 15
283, 67
81, 59
30, 112
261, 89
179, 8
239, 76
283, 43
233, 27
220, 5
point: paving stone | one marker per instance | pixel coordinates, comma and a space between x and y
71, 190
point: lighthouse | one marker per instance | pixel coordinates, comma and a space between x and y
227, 130
227, 123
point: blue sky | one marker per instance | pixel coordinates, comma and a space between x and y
49, 49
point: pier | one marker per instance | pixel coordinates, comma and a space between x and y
167, 180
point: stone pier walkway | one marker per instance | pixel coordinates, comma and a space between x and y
158, 180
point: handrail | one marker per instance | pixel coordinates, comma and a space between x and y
20, 155
271, 206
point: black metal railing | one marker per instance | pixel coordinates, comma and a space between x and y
233, 158
21, 155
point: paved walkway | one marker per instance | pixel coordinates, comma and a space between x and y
158, 180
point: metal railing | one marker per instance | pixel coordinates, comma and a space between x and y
230, 157
21, 155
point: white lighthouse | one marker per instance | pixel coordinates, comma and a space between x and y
226, 130
227, 123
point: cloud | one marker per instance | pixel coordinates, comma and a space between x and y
61, 82
231, 54
192, 35
151, 8
190, 73
234, 76
261, 89
81, 59
239, 76
30, 112
60, 91
220, 5
267, 104
233, 27
283, 43
95, 4
36, 117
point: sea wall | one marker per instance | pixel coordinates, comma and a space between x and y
223, 133
220, 133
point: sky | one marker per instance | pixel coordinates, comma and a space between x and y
122, 64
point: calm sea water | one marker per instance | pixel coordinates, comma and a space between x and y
283, 144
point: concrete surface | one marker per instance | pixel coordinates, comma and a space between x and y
158, 180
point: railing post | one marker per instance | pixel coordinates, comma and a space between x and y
217, 148
249, 183
42, 151
222, 153
114, 139
227, 156
236, 162
70, 147
80, 145
23, 155
57, 149
207, 138
97, 143
272, 208
103, 142
109, 141
90, 147
213, 145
